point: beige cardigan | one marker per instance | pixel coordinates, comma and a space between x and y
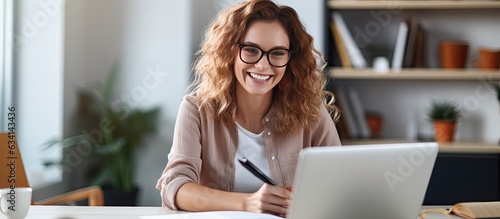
204, 148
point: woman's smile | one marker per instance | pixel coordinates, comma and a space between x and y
259, 78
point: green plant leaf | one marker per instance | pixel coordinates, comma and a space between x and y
108, 87
444, 110
102, 177
111, 148
51, 163
497, 89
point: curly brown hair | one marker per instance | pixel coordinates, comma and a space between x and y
299, 94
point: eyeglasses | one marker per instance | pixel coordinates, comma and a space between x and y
252, 54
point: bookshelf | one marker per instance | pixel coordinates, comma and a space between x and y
336, 4
409, 90
414, 74
472, 162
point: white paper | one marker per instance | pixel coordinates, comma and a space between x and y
215, 215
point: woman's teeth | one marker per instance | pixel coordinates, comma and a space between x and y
260, 77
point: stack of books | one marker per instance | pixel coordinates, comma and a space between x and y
408, 49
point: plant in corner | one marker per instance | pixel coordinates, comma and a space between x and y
497, 89
445, 115
120, 133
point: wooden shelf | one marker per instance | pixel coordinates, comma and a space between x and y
408, 4
453, 147
415, 74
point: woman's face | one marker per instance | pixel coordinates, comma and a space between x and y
261, 77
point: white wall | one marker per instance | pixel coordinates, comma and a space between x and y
311, 14
38, 52
156, 62
92, 44
6, 61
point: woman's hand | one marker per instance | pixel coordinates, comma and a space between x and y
269, 199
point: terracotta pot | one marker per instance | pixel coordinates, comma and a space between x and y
375, 124
453, 54
489, 59
444, 131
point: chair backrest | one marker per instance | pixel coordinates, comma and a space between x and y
11, 163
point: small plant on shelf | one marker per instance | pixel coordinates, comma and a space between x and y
444, 110
445, 115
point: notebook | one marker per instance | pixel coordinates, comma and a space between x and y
362, 181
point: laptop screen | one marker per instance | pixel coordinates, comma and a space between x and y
362, 181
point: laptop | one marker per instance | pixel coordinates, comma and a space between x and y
362, 181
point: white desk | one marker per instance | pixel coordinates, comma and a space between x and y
85, 212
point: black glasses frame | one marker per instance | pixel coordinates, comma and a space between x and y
290, 52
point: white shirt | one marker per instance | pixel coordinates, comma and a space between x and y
251, 146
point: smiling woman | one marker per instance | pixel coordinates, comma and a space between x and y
258, 93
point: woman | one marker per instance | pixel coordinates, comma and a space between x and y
257, 94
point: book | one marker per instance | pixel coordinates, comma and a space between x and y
477, 209
400, 45
410, 50
359, 113
342, 128
332, 56
342, 51
347, 113
420, 48
341, 123
353, 51
469, 210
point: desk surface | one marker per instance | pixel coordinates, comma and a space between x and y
85, 212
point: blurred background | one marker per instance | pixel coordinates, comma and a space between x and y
52, 49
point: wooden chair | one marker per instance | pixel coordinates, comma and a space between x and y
10, 154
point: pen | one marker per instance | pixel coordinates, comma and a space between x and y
255, 171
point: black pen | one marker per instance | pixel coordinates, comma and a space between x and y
255, 171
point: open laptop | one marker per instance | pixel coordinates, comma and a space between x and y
363, 181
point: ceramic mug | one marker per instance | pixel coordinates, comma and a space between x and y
15, 202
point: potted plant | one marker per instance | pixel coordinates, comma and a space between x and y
445, 115
120, 133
